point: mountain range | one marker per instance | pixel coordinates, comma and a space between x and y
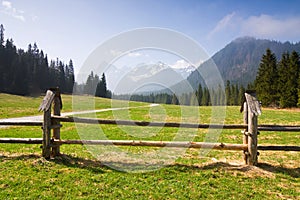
238, 61
145, 78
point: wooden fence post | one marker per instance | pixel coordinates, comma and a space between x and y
245, 132
46, 107
253, 111
57, 105
46, 134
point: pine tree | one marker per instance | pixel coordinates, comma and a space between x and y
288, 79
70, 77
241, 95
228, 93
266, 79
199, 94
205, 98
294, 66
174, 99
101, 90
2, 35
283, 73
194, 100
298, 104
89, 85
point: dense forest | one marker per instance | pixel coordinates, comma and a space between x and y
233, 95
29, 72
278, 83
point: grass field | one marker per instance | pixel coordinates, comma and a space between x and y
78, 174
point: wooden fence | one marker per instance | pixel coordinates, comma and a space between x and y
52, 123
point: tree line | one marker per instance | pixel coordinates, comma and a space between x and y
278, 82
94, 86
232, 95
29, 72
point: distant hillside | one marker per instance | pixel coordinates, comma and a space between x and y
239, 60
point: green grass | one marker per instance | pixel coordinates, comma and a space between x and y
19, 106
78, 174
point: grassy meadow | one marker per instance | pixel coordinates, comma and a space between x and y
77, 174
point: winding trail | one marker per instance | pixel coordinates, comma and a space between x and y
39, 118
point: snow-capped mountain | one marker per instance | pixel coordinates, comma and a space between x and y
186, 71
144, 77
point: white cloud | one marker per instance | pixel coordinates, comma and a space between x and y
179, 64
115, 53
269, 26
222, 24
10, 10
34, 18
261, 26
6, 4
134, 54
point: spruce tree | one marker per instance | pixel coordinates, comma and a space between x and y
283, 78
294, 68
199, 94
228, 93
241, 95
288, 79
174, 100
266, 79
206, 97
298, 104
2, 35
101, 90
194, 99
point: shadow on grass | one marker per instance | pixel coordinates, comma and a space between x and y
77, 162
263, 169
99, 167
66, 160
293, 172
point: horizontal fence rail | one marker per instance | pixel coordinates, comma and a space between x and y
144, 123
220, 146
22, 140
261, 127
278, 148
21, 123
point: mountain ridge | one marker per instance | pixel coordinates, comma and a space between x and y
239, 60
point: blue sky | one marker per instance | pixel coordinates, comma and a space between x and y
74, 28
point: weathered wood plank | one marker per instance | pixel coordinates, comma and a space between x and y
253, 103
219, 146
21, 123
46, 148
252, 137
56, 123
144, 123
278, 148
279, 128
22, 140
261, 127
245, 137
47, 101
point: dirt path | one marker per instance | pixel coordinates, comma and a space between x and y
39, 118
